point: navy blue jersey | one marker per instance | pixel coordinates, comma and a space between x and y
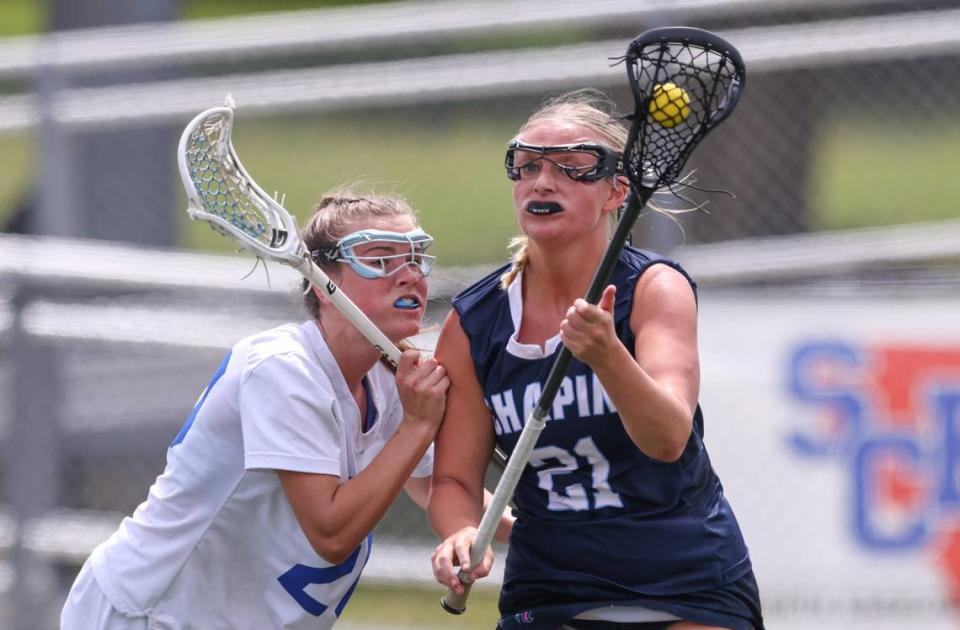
591, 507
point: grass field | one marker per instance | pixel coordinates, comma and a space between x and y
867, 175
377, 606
450, 170
449, 166
17, 172
20, 17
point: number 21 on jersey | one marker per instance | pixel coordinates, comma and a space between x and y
576, 497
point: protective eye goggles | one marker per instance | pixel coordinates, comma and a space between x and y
584, 162
381, 254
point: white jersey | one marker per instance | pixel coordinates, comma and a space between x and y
216, 544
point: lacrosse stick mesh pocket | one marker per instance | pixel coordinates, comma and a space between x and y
222, 187
685, 82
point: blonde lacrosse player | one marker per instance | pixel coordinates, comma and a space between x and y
622, 522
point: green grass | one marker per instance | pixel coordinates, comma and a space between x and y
869, 175
21, 17
449, 166
15, 176
450, 171
24, 17
386, 607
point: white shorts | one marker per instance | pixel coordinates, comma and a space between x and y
87, 608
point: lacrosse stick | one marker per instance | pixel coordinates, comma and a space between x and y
221, 193
685, 81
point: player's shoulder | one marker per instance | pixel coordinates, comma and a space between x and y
480, 292
640, 259
284, 339
638, 262
291, 350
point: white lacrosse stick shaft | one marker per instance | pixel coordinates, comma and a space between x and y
315, 275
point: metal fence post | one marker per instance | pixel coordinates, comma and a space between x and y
33, 465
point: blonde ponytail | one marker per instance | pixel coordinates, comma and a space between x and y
521, 256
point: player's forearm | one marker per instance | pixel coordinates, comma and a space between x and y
453, 506
655, 418
358, 504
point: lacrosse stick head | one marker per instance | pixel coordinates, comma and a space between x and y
221, 193
685, 81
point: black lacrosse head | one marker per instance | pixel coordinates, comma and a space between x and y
685, 81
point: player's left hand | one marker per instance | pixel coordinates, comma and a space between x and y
587, 331
453, 554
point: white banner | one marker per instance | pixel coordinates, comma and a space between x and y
834, 424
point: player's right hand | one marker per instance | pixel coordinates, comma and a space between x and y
422, 384
453, 554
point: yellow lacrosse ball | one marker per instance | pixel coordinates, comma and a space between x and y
670, 105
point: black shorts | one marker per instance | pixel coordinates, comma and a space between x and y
735, 605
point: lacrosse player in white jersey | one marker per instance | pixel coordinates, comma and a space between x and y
293, 453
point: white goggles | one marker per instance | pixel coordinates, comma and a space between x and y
379, 254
